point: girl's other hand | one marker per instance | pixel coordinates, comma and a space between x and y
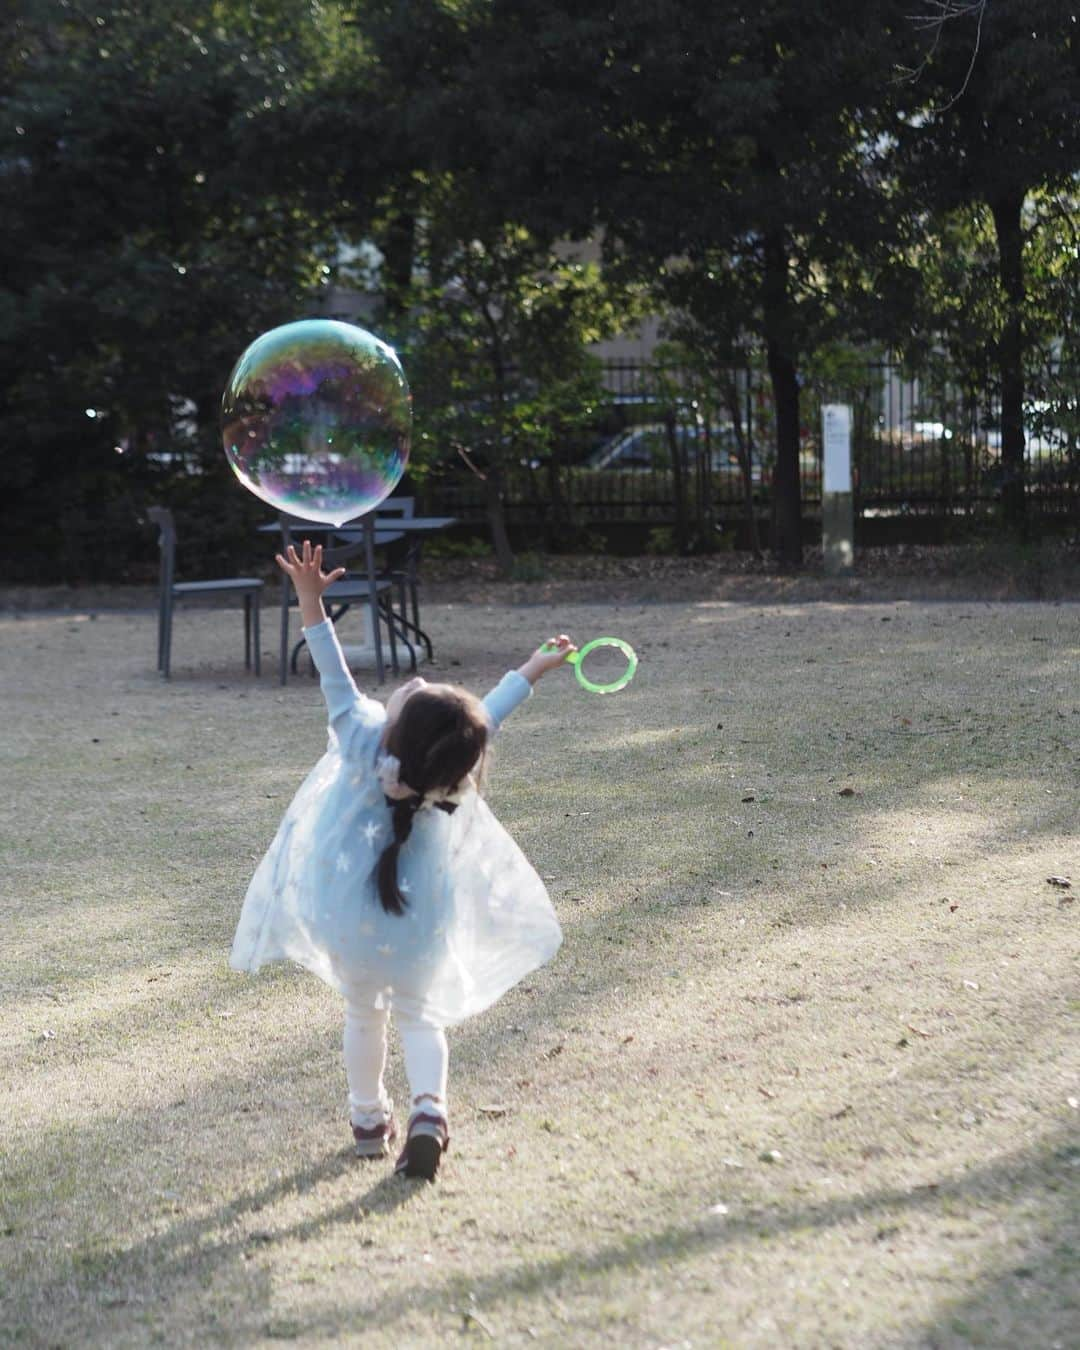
553, 653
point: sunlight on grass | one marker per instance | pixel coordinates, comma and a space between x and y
804, 1059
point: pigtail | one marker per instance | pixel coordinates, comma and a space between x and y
386, 873
438, 740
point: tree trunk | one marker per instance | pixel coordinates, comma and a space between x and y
787, 502
399, 246
746, 461
1006, 210
560, 525
496, 514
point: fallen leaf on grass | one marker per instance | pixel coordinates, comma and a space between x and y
848, 1110
627, 1039
1063, 882
470, 1319
846, 792
555, 1050
926, 1035
765, 1092
494, 1110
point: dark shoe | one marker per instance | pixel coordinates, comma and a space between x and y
428, 1139
374, 1141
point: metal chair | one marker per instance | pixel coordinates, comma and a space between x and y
170, 590
399, 569
355, 588
402, 565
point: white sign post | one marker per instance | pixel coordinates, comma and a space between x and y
837, 506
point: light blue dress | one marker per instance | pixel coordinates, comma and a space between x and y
478, 918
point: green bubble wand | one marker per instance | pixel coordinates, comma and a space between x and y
577, 660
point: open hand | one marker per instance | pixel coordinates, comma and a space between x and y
305, 570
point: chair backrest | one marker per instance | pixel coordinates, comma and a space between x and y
397, 506
163, 519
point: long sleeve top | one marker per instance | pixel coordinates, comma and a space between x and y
478, 918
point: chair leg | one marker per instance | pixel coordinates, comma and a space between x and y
391, 628
283, 654
373, 595
166, 638
256, 605
247, 632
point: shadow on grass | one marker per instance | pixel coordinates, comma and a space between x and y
188, 1250
1039, 1171
994, 1312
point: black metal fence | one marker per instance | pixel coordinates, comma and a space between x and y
666, 448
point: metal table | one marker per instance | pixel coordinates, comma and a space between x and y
389, 529
363, 536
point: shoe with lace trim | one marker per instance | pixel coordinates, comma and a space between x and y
373, 1141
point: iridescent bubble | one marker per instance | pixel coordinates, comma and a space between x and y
316, 420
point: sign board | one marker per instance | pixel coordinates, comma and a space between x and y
836, 442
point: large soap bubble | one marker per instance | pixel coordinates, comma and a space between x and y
316, 420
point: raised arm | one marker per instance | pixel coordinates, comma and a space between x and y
517, 685
343, 699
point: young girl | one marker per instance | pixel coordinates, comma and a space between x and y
391, 879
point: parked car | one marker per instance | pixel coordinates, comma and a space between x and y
647, 449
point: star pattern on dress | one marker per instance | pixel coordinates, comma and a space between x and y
372, 831
343, 862
385, 949
404, 887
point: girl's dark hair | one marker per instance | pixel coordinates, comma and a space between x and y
439, 737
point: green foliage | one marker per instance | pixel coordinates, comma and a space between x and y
661, 541
176, 179
146, 240
529, 567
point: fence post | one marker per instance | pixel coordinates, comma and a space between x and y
837, 516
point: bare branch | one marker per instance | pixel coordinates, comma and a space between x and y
468, 461
947, 10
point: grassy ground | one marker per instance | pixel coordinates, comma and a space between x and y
803, 1074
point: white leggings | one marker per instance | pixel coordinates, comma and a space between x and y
426, 1059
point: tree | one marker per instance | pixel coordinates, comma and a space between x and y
499, 325
993, 116
730, 137
148, 230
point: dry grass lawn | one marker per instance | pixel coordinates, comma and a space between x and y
804, 1073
